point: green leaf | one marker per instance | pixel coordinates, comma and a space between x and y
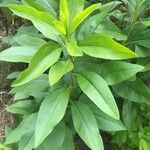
41, 20
145, 62
118, 72
55, 139
26, 40
86, 126
140, 38
135, 91
60, 27
41, 5
108, 123
129, 116
75, 6
22, 107
107, 27
91, 24
146, 21
36, 88
144, 144
142, 51
68, 143
18, 54
45, 57
104, 121
82, 15
101, 46
50, 6
64, 12
58, 70
26, 126
51, 112
73, 49
96, 88
27, 141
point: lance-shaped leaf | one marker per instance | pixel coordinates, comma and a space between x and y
51, 112
60, 27
91, 24
58, 70
27, 40
136, 91
26, 126
27, 141
101, 46
86, 126
18, 54
41, 20
146, 21
75, 6
22, 107
68, 143
96, 88
104, 121
73, 49
41, 5
45, 57
64, 12
118, 72
82, 15
55, 139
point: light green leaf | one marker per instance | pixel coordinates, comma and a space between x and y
118, 72
101, 46
50, 6
22, 107
135, 91
51, 112
144, 144
146, 21
73, 49
26, 40
75, 6
58, 70
60, 27
45, 57
82, 15
41, 20
18, 54
64, 12
96, 88
23, 128
86, 126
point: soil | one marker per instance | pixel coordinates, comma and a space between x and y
6, 118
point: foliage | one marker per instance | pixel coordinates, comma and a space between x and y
85, 62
